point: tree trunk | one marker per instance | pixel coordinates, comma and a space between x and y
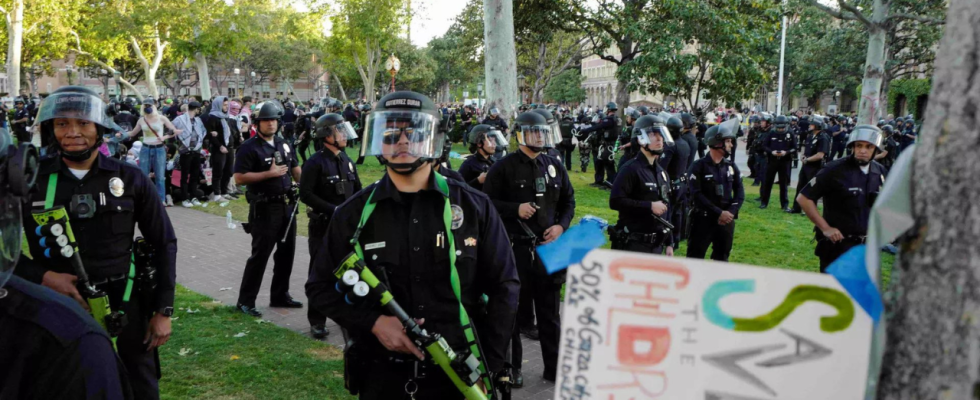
202, 75
500, 57
874, 66
933, 346
340, 86
15, 33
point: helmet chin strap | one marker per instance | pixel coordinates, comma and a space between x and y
405, 168
79, 156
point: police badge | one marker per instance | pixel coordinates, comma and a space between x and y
116, 187
457, 217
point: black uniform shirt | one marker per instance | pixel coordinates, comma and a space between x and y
780, 141
637, 186
404, 244
498, 122
21, 114
847, 192
328, 180
105, 241
706, 176
52, 349
256, 155
692, 143
675, 159
512, 180
761, 136
819, 144
605, 130
892, 147
472, 167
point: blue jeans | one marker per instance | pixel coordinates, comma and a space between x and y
156, 159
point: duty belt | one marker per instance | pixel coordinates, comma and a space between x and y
106, 279
648, 238
262, 198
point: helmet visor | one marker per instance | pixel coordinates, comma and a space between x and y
539, 136
498, 138
389, 133
72, 105
345, 131
644, 135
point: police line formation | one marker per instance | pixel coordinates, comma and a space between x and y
432, 276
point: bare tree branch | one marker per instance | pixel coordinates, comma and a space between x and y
857, 13
919, 18
832, 12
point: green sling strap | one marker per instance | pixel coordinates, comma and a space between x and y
447, 217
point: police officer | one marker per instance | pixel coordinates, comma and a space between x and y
908, 133
642, 193
687, 134
675, 160
105, 200
750, 143
604, 146
494, 120
887, 156
566, 147
51, 347
264, 164
717, 194
837, 136
758, 151
329, 178
626, 139
536, 202
22, 119
555, 132
402, 226
483, 141
849, 187
780, 148
814, 157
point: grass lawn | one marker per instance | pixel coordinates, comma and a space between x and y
275, 362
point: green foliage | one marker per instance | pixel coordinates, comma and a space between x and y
566, 88
703, 50
911, 88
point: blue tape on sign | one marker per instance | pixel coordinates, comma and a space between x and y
572, 246
849, 269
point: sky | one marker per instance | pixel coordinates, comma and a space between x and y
433, 19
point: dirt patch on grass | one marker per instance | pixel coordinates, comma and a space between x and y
326, 353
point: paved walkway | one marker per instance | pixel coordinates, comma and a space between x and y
210, 260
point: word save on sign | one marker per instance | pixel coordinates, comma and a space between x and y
649, 327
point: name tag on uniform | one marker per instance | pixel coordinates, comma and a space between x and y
650, 184
373, 246
709, 176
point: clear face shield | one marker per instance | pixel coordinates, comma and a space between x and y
497, 138
402, 134
537, 136
644, 135
344, 131
72, 105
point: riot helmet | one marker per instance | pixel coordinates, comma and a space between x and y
478, 135
366, 107
73, 103
754, 120
18, 171
868, 134
409, 115
647, 126
715, 137
611, 106
533, 131
555, 129
781, 123
268, 111
674, 126
334, 126
643, 110
888, 130
767, 118
688, 120
817, 121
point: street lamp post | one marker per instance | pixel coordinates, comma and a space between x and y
393, 65
253, 83
237, 81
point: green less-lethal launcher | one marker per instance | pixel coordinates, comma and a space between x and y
98, 301
434, 344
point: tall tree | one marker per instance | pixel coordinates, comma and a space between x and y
933, 307
877, 25
361, 29
37, 33
500, 66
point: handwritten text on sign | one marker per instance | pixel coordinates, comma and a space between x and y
649, 327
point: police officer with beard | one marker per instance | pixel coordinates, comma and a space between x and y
607, 131
675, 160
780, 148
265, 163
536, 202
849, 187
814, 157
717, 193
105, 200
416, 231
329, 178
642, 194
483, 141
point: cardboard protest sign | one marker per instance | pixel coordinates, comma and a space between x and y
639, 326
